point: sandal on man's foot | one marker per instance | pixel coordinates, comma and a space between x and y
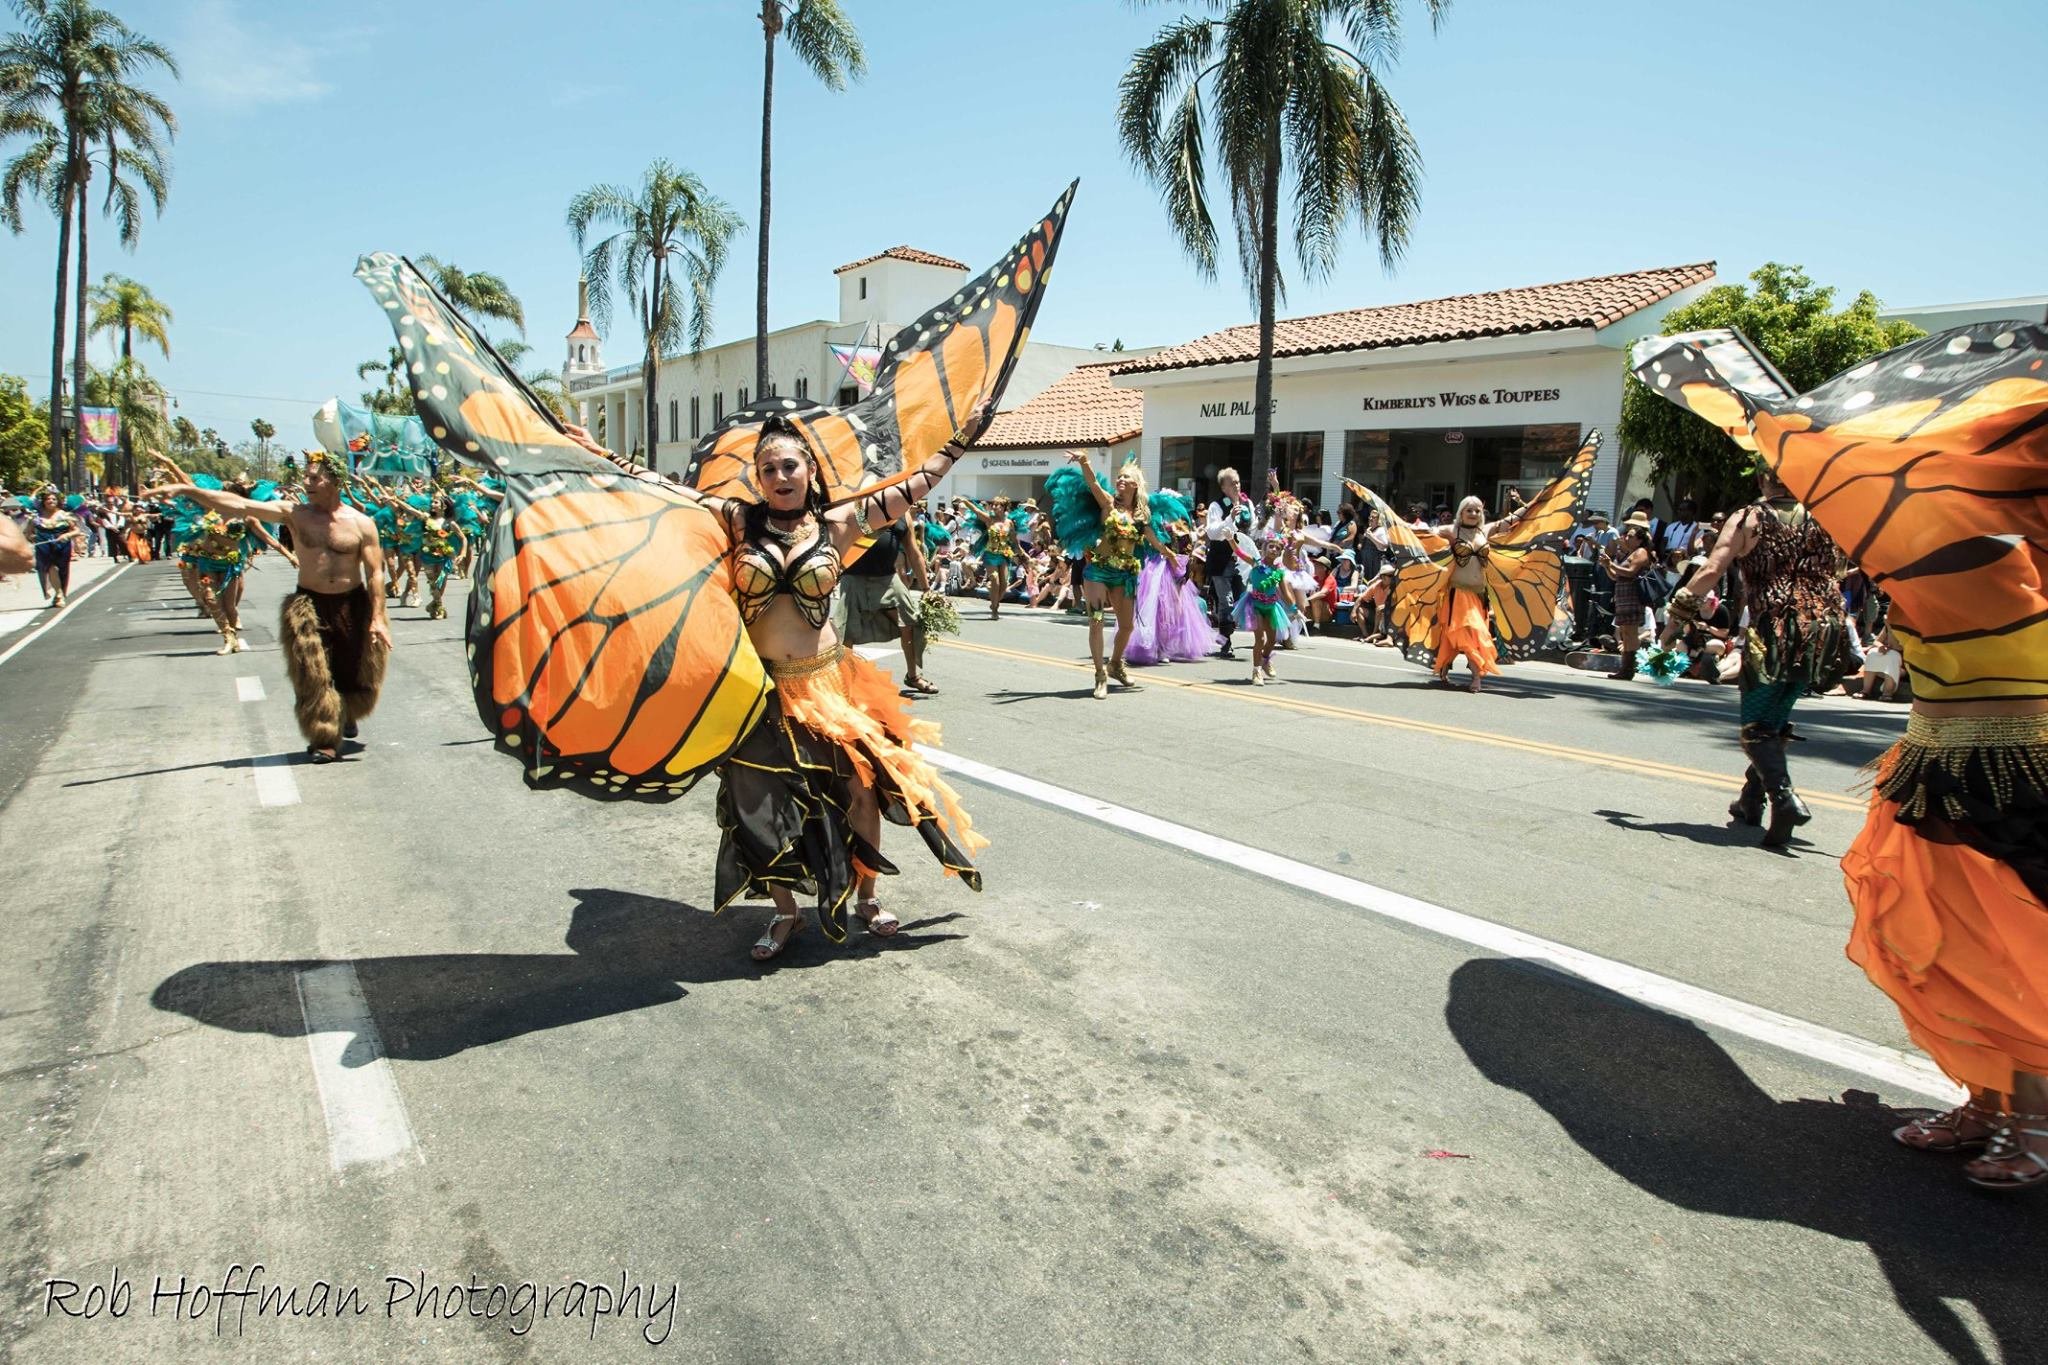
879, 922
922, 685
2000, 1167
768, 946
323, 755
1947, 1132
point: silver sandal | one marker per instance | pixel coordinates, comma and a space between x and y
879, 922
2005, 1145
766, 948
1952, 1124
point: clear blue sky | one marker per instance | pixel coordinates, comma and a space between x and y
1880, 144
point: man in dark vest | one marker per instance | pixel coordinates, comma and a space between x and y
1230, 515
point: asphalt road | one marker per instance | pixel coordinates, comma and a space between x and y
398, 1024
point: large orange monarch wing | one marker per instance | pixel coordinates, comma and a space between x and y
1929, 467
1422, 561
931, 376
605, 651
1525, 563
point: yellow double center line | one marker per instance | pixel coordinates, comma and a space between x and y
1623, 762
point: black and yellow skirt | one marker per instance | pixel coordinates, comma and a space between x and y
835, 724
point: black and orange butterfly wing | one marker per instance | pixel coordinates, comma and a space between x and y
1929, 467
605, 650
1422, 561
931, 377
1525, 563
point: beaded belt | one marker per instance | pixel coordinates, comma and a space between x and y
2001, 761
800, 668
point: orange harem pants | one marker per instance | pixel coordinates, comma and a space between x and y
1958, 940
1462, 627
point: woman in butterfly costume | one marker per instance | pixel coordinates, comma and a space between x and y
629, 635
1929, 467
1459, 584
1108, 529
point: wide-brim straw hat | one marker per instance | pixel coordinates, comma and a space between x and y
1637, 522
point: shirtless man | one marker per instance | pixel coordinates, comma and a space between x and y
333, 628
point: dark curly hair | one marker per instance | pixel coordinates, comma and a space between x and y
780, 427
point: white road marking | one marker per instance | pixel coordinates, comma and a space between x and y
367, 1125
876, 653
1874, 1060
73, 605
275, 785
248, 689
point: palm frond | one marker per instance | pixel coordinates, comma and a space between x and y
824, 39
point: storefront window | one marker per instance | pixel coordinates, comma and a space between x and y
1436, 467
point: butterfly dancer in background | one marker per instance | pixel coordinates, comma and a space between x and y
1108, 529
1464, 626
1932, 462
1797, 640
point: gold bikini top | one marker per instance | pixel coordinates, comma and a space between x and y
809, 575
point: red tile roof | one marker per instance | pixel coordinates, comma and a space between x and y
1596, 302
904, 253
1079, 409
583, 331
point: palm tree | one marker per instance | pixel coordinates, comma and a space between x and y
134, 392
670, 245
126, 307
396, 396
262, 431
478, 295
824, 39
66, 84
1289, 89
184, 435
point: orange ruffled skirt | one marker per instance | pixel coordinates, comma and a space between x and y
785, 797
1462, 627
1956, 936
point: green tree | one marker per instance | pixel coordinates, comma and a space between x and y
133, 392
263, 431
478, 295
670, 245
394, 397
126, 308
184, 435
823, 39
1791, 319
67, 85
24, 436
1283, 93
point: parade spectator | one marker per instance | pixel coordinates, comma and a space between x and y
1625, 564
1335, 594
1676, 541
1879, 677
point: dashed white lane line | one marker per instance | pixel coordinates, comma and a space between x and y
1874, 1060
248, 689
275, 785
368, 1129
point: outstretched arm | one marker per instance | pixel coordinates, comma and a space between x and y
1739, 539
889, 503
271, 541
226, 503
1102, 495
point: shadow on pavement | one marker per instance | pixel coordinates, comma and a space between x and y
627, 952
1673, 1114
1727, 835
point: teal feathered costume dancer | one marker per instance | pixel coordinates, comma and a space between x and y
1001, 544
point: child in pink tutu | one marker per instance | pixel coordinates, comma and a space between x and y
1171, 620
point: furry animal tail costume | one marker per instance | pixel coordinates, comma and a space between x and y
335, 668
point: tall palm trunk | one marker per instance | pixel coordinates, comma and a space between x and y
771, 24
78, 337
58, 471
1269, 278
650, 363
127, 406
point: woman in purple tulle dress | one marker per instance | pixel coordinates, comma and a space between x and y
1170, 620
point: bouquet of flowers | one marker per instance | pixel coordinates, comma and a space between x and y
936, 614
1664, 666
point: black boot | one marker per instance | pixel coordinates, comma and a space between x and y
1748, 808
1788, 812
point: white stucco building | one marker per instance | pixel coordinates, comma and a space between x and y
878, 296
1423, 402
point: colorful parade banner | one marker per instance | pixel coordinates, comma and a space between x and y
99, 431
860, 363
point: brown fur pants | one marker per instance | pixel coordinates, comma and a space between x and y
336, 669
